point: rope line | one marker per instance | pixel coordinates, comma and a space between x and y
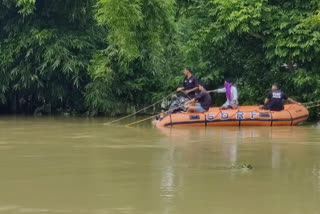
312, 102
141, 109
150, 107
148, 118
313, 106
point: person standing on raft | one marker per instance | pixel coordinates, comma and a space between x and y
189, 91
202, 102
231, 94
190, 84
274, 101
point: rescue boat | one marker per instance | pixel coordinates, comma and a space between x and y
292, 114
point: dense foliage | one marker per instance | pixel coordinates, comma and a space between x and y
112, 56
45, 50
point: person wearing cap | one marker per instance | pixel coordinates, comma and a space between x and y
274, 100
190, 84
202, 102
231, 95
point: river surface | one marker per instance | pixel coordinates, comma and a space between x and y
80, 166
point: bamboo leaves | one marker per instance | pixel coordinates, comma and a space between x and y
106, 55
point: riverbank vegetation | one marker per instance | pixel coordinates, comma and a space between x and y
102, 57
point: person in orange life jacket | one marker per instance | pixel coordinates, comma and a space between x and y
274, 100
190, 84
202, 102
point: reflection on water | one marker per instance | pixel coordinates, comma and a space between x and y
276, 156
316, 176
279, 154
56, 165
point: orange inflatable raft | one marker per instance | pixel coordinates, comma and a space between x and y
243, 116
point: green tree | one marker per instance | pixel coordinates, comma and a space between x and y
45, 50
111, 56
140, 57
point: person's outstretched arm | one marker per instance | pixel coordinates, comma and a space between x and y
291, 101
220, 90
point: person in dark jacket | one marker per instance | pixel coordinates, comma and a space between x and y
274, 100
190, 84
202, 101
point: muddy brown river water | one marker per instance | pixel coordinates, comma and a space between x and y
80, 166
